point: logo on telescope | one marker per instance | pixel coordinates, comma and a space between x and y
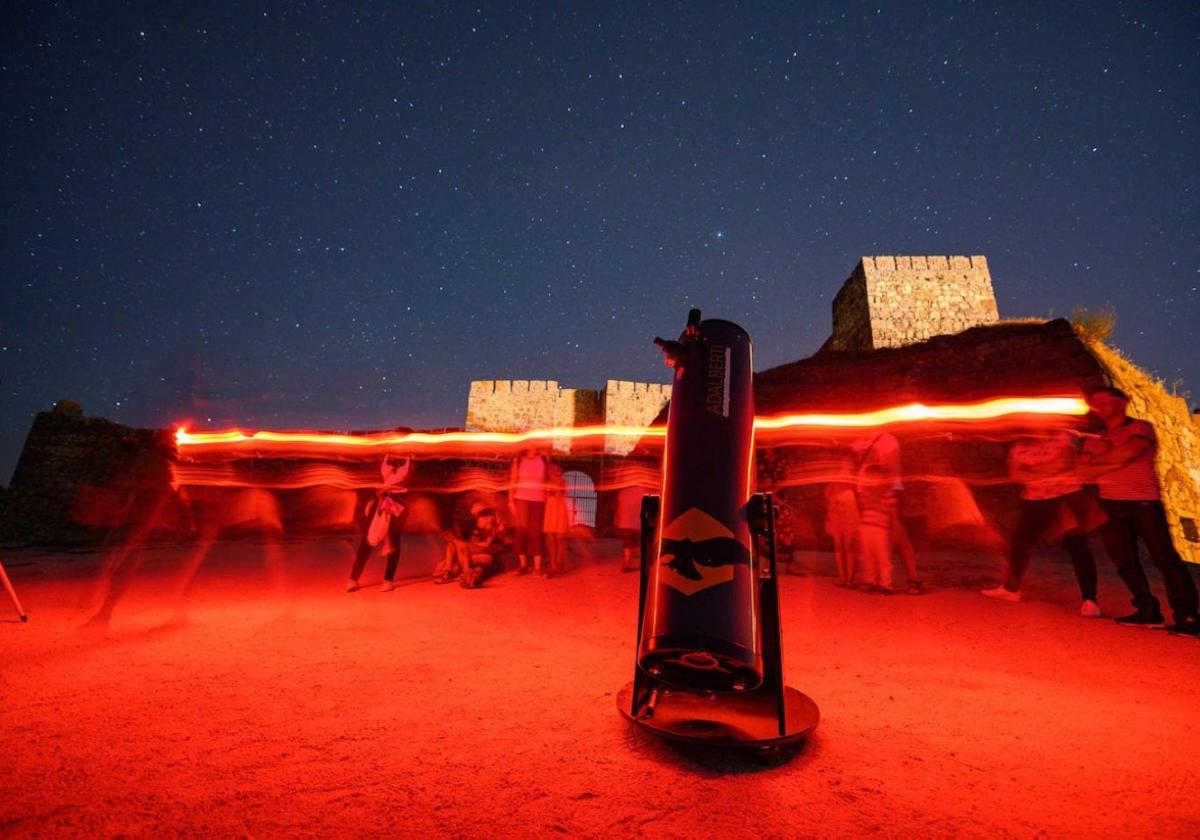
698, 552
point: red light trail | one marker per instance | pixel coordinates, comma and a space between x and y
316, 444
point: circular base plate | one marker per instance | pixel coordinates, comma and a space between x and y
745, 720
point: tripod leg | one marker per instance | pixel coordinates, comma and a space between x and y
12, 593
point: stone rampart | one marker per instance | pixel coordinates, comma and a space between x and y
891, 301
631, 404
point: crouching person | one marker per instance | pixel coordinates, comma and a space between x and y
475, 544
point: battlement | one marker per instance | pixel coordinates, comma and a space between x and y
624, 386
890, 301
515, 386
517, 405
631, 404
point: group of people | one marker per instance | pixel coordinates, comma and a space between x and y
1072, 484
1076, 484
478, 539
862, 517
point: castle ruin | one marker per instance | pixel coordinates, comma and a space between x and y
892, 301
503, 405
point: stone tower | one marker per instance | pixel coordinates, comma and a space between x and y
893, 301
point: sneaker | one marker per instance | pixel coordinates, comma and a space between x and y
1002, 594
915, 587
388, 586
469, 579
444, 577
1189, 626
522, 569
1142, 618
352, 585
1090, 609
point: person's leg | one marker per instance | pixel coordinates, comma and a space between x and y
902, 544
1120, 542
476, 569
447, 563
558, 553
853, 542
364, 548
839, 556
876, 551
1084, 564
521, 510
883, 553
360, 560
1151, 522
537, 514
1032, 520
395, 533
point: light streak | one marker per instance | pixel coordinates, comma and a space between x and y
300, 443
918, 412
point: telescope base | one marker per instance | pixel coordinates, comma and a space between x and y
740, 720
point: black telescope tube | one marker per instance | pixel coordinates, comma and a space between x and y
701, 627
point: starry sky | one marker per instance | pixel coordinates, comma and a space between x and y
334, 215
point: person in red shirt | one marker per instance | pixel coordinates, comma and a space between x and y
1120, 462
527, 497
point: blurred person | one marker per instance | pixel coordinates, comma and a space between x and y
527, 498
876, 497
385, 522
842, 521
771, 474
1050, 492
557, 521
628, 521
1120, 460
882, 449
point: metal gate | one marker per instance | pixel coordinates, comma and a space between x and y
581, 498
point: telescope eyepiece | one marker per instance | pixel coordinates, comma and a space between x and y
673, 352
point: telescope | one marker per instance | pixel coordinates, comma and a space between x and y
709, 663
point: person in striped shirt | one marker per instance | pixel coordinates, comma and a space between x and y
1120, 462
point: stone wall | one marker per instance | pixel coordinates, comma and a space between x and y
851, 315
517, 405
78, 473
631, 404
891, 301
504, 405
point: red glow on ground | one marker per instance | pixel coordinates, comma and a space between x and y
216, 701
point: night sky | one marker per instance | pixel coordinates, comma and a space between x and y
336, 215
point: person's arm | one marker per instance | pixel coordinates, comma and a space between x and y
1025, 472
396, 472
1097, 465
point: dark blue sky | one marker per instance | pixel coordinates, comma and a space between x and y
311, 215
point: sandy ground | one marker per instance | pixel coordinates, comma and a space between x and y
241, 710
